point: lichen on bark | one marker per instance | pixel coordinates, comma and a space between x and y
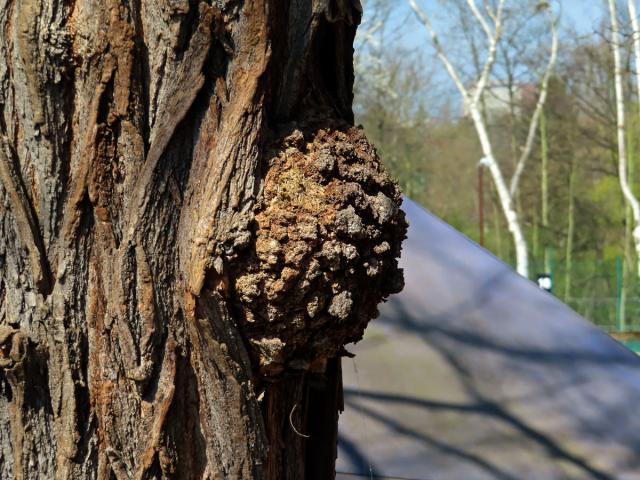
327, 234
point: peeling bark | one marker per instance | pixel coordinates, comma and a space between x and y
151, 152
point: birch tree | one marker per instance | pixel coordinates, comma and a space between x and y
635, 32
491, 21
625, 186
539, 108
191, 230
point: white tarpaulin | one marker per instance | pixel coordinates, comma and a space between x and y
473, 372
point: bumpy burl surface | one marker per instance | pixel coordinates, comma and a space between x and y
328, 235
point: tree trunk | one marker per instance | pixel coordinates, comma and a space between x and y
188, 219
571, 221
621, 129
544, 190
504, 196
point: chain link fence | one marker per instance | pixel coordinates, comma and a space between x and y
604, 291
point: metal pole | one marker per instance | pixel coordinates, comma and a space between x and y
481, 203
552, 267
618, 293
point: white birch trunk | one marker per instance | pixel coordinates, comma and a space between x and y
630, 198
472, 100
506, 200
633, 14
542, 99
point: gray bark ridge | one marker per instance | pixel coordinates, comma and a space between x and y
170, 173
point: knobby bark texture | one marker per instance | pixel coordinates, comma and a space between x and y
191, 231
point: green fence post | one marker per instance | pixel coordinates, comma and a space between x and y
619, 293
552, 267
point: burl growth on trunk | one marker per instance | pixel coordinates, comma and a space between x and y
328, 232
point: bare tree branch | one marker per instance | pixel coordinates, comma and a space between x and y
491, 56
542, 98
635, 28
473, 104
423, 18
483, 22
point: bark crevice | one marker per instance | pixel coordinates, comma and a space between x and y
153, 141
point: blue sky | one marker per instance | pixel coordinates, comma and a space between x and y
583, 14
580, 16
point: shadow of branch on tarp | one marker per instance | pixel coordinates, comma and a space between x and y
517, 364
427, 440
453, 351
427, 324
355, 457
484, 408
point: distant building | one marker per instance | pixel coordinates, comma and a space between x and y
497, 99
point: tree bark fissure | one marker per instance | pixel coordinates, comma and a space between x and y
170, 306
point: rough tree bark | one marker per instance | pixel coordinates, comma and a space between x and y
191, 230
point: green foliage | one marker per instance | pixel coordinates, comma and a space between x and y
434, 155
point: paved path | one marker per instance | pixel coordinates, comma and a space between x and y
472, 372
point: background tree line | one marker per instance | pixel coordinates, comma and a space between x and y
569, 202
